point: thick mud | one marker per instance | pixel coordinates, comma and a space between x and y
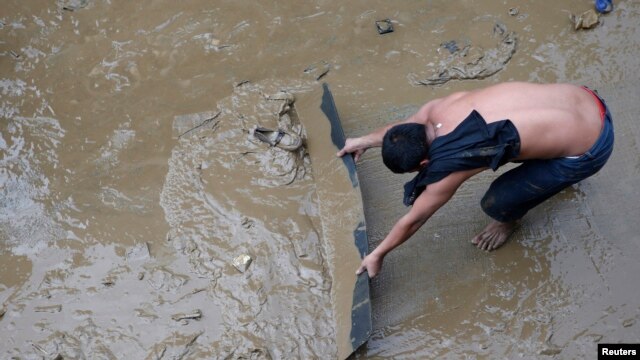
129, 182
226, 194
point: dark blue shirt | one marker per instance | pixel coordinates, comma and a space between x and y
472, 144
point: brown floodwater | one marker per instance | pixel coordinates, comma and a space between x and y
121, 216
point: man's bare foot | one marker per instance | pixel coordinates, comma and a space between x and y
494, 235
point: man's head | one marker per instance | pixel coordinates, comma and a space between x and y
405, 147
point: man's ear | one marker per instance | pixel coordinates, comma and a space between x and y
424, 163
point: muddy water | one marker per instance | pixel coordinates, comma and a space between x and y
112, 223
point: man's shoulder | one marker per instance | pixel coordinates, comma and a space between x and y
443, 105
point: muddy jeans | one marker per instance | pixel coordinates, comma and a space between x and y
518, 190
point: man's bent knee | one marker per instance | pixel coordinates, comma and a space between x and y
488, 204
496, 210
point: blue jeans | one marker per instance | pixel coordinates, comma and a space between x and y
519, 190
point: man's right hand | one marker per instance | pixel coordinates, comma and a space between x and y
355, 146
372, 264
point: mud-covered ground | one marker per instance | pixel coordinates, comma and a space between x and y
129, 182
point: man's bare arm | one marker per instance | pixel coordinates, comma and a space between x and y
431, 199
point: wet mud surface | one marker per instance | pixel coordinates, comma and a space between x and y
129, 182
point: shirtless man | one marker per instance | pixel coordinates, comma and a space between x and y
561, 134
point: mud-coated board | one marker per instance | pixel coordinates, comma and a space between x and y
341, 213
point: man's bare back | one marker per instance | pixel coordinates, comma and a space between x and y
553, 120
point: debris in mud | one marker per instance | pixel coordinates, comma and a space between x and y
277, 138
139, 252
192, 292
162, 278
287, 99
141, 275
246, 222
587, 20
282, 95
3, 311
514, 11
550, 351
318, 70
451, 45
48, 309
108, 282
472, 62
251, 354
74, 5
384, 26
186, 124
176, 346
146, 313
594, 337
242, 262
629, 322
194, 315
282, 138
240, 83
604, 6
202, 166
39, 348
